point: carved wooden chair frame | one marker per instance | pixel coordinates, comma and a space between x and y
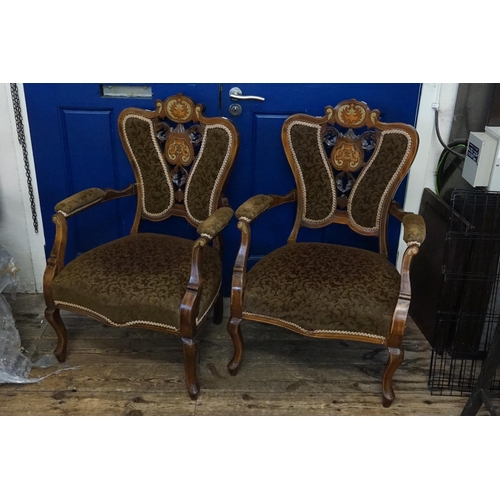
346, 157
179, 154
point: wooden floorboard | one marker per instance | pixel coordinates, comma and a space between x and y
140, 372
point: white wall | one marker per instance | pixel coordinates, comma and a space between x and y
422, 171
17, 234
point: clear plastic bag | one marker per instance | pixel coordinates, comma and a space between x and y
15, 366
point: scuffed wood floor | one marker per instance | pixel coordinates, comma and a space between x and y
140, 372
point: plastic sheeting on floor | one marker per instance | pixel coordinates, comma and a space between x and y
15, 366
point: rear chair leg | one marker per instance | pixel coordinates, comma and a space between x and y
234, 329
53, 316
190, 350
218, 309
396, 356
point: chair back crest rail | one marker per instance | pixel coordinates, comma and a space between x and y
181, 159
347, 167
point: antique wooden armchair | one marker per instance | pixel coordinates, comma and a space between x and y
147, 280
347, 166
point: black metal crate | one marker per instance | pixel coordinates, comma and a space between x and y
469, 299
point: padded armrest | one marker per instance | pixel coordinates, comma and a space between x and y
214, 224
414, 228
79, 201
253, 207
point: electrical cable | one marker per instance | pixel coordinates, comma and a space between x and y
436, 121
441, 175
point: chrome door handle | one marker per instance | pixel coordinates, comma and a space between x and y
237, 95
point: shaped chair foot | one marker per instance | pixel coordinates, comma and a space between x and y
395, 358
234, 329
218, 310
53, 316
190, 350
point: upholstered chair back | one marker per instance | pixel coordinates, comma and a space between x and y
347, 166
181, 159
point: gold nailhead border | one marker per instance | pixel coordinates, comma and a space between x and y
220, 174
326, 165
120, 325
138, 322
79, 209
389, 184
162, 161
340, 332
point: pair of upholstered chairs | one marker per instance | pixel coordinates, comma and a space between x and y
181, 161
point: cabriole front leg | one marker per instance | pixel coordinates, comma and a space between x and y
234, 329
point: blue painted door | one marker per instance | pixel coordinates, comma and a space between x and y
76, 146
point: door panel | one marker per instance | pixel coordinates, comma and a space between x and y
87, 142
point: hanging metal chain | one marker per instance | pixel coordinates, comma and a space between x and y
22, 140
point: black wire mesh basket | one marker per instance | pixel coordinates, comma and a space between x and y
469, 308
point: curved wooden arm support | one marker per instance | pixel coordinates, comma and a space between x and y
258, 204
55, 262
190, 304
401, 311
262, 203
240, 270
89, 198
113, 194
414, 235
396, 210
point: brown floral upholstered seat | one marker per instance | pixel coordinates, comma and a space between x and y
181, 161
347, 166
137, 280
320, 287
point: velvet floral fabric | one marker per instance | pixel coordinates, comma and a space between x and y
157, 186
141, 277
413, 228
319, 286
216, 222
79, 201
369, 190
318, 183
254, 206
202, 181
